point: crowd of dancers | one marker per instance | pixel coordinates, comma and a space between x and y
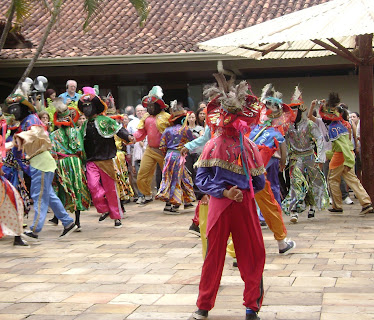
80, 151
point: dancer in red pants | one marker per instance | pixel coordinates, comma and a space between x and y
230, 170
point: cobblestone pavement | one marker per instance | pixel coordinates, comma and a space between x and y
150, 269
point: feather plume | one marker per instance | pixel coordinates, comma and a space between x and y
267, 91
60, 105
297, 95
24, 89
173, 104
333, 100
156, 91
211, 91
222, 82
278, 95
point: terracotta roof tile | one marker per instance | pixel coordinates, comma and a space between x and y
173, 26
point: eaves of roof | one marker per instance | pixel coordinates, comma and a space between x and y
124, 59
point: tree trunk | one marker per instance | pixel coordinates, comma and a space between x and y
47, 31
8, 25
366, 112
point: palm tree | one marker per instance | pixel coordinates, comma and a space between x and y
92, 7
22, 9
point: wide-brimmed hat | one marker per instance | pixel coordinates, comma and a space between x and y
176, 111
17, 98
154, 96
94, 100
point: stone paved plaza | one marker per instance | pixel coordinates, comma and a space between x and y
150, 269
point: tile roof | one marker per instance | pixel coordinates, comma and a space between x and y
173, 26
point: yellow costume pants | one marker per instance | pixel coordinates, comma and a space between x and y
352, 181
147, 169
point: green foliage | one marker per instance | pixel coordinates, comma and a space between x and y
23, 9
94, 7
142, 8
91, 7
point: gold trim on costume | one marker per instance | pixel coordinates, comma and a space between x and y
228, 166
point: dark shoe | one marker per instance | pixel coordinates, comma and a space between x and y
103, 216
30, 236
19, 242
123, 205
235, 263
200, 314
333, 210
189, 207
367, 209
311, 213
67, 231
263, 224
194, 229
290, 246
53, 221
117, 224
251, 315
171, 210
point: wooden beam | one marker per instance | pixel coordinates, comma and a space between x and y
333, 49
365, 76
272, 48
344, 49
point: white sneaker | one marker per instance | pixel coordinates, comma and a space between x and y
294, 217
348, 200
140, 200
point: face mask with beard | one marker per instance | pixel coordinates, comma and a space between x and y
298, 117
153, 109
19, 112
89, 110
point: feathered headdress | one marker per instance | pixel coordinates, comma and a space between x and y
270, 97
64, 115
24, 89
277, 114
230, 103
297, 100
176, 111
20, 96
330, 110
267, 91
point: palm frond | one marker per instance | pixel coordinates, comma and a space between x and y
91, 7
142, 8
23, 9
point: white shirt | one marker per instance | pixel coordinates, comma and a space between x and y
133, 125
